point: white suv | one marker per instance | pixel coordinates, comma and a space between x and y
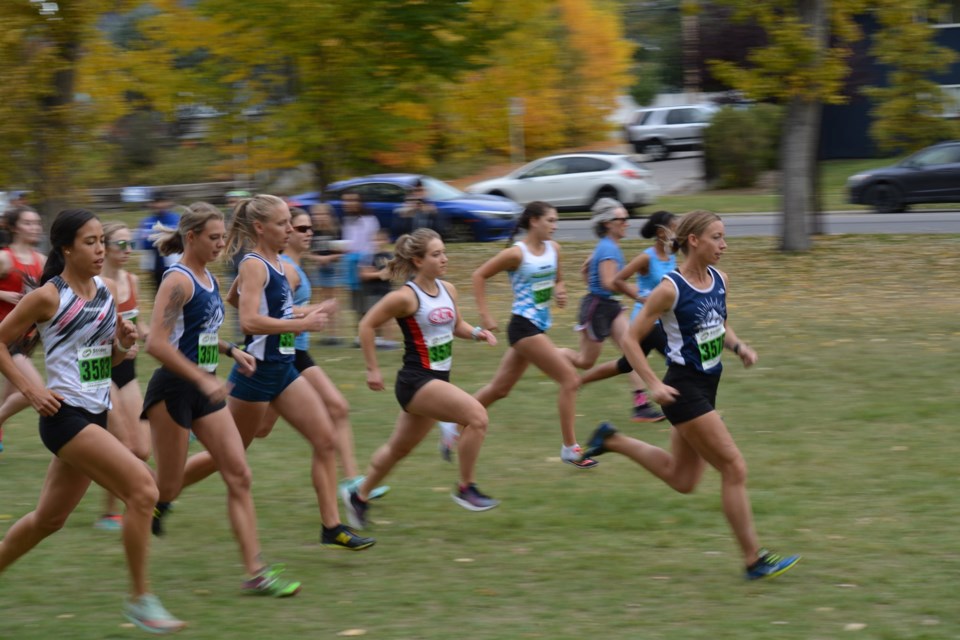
574, 181
659, 132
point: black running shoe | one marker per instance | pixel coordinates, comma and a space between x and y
595, 445
342, 537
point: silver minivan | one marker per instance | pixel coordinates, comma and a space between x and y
660, 131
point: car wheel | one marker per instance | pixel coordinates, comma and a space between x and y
497, 192
606, 192
656, 151
460, 231
639, 147
885, 198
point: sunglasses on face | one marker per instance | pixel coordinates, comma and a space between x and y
122, 245
303, 228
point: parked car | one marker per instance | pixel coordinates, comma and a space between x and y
929, 175
469, 217
660, 131
574, 181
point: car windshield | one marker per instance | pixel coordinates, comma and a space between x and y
438, 190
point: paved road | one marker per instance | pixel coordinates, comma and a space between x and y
740, 225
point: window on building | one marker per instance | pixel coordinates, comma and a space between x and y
945, 14
951, 100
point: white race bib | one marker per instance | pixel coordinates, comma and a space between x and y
710, 342
95, 365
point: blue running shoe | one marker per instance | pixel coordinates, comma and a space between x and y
770, 565
595, 445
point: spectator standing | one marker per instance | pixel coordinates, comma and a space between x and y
417, 213
359, 229
151, 261
326, 255
374, 274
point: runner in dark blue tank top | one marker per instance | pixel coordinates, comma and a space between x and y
691, 303
270, 321
186, 394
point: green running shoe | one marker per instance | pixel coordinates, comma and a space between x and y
269, 583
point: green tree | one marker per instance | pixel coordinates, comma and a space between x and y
802, 65
908, 111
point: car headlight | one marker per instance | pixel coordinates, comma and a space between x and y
856, 179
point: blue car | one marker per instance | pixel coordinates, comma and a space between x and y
468, 217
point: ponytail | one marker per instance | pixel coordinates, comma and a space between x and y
535, 209
242, 232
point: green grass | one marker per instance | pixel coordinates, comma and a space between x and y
847, 423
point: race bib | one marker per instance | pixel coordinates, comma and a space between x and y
286, 344
710, 342
95, 365
542, 293
208, 351
440, 352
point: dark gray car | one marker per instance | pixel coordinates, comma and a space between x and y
930, 175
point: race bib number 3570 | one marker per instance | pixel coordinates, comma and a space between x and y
710, 342
95, 365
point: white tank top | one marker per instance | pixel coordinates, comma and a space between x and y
428, 333
78, 346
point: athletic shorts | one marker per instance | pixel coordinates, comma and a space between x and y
656, 339
302, 360
597, 315
409, 381
698, 393
520, 328
124, 373
268, 382
60, 428
183, 399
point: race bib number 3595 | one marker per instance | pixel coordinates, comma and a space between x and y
95, 365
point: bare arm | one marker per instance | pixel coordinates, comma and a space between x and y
252, 322
742, 350
506, 260
640, 264
658, 302
396, 304
37, 306
126, 334
462, 328
174, 292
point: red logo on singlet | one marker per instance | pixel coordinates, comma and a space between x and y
443, 315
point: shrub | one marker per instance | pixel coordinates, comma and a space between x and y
740, 143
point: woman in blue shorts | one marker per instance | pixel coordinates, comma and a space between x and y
76, 317
271, 322
185, 393
426, 310
692, 305
649, 266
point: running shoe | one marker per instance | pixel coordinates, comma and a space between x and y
355, 507
159, 511
472, 499
342, 537
147, 613
109, 522
355, 482
595, 445
770, 565
646, 413
448, 440
269, 583
574, 455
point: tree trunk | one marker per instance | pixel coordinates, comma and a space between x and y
801, 127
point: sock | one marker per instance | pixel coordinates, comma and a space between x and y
449, 429
163, 507
639, 398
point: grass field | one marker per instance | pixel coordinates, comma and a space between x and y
847, 423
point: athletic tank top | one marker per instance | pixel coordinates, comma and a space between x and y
428, 333
276, 301
196, 333
22, 278
301, 298
533, 283
655, 272
606, 249
78, 346
695, 324
128, 308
